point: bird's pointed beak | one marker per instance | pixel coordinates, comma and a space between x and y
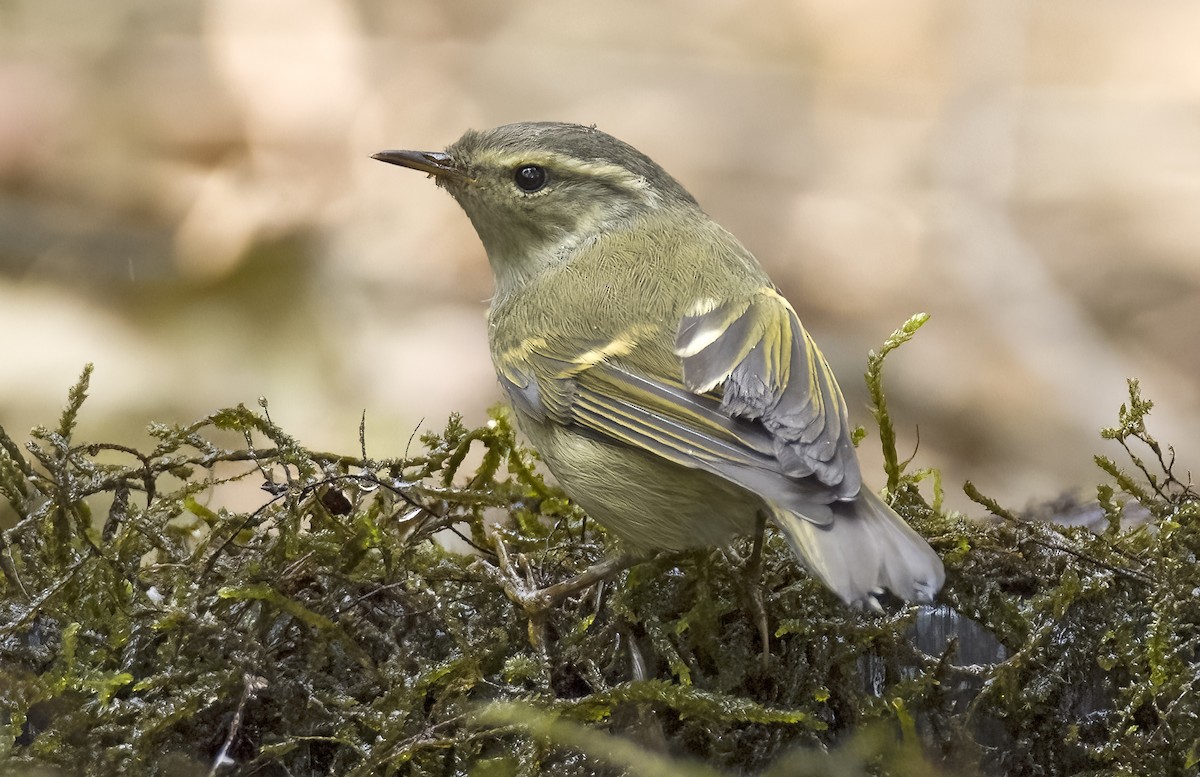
436, 163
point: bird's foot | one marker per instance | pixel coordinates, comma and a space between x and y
537, 602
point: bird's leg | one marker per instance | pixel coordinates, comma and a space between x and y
754, 578
760, 532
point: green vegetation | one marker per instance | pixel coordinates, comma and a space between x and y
147, 630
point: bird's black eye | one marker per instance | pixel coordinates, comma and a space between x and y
529, 178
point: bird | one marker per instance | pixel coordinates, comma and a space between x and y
667, 384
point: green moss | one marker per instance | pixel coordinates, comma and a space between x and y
328, 631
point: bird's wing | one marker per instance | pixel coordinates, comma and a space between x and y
769, 370
754, 402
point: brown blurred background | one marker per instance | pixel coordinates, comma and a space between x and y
186, 200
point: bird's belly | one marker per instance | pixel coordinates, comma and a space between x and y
645, 500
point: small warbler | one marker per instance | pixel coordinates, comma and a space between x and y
664, 380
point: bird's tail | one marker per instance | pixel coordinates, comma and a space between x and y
865, 549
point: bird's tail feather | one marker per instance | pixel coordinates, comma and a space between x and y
867, 548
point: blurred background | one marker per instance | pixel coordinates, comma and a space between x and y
186, 200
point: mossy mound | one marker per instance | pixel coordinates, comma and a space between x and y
329, 631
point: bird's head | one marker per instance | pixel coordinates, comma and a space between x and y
534, 191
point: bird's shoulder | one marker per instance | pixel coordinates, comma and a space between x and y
641, 275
